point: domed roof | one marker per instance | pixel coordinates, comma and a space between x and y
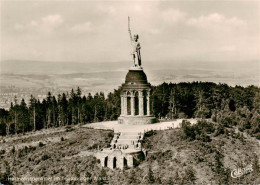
136, 76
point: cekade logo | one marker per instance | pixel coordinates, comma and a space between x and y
241, 171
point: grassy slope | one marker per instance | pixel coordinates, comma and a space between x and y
171, 158
176, 154
53, 158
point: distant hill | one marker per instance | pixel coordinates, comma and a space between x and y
53, 68
109, 75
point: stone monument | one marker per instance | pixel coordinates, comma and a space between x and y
135, 94
136, 46
135, 110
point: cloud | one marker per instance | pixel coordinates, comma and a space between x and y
46, 24
214, 20
82, 28
106, 9
173, 16
154, 31
229, 48
52, 20
191, 30
33, 23
18, 26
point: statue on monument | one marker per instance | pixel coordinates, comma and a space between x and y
136, 46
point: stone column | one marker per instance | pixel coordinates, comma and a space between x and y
141, 103
130, 162
122, 105
125, 104
132, 104
120, 163
148, 103
110, 162
102, 161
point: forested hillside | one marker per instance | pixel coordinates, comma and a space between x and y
193, 154
203, 153
226, 105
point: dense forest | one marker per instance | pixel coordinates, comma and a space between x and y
228, 106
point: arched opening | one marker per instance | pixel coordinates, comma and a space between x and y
141, 156
136, 103
114, 162
128, 103
145, 102
105, 162
125, 162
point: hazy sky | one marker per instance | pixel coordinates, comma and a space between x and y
96, 31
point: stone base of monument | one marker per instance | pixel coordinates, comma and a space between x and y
136, 68
137, 120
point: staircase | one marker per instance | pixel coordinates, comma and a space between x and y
127, 141
122, 148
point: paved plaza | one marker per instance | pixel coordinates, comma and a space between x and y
114, 125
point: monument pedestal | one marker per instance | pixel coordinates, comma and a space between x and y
135, 99
136, 120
